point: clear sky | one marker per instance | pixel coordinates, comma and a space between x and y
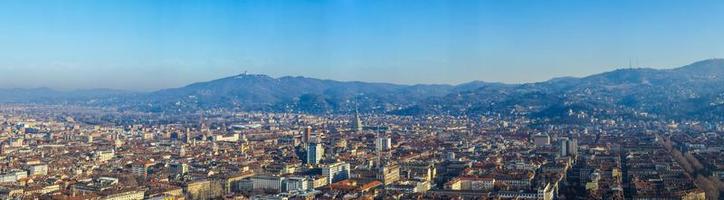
147, 45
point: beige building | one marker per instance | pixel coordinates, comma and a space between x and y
128, 195
389, 174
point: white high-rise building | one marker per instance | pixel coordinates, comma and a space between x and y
573, 147
336, 172
315, 153
383, 143
568, 147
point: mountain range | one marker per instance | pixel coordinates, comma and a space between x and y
695, 91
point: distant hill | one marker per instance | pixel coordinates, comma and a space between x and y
296, 94
695, 91
692, 91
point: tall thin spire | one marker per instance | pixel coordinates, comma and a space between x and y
202, 124
357, 123
204, 128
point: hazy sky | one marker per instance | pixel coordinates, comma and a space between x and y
146, 45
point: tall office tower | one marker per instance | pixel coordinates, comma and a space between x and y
315, 152
383, 143
307, 135
569, 147
336, 172
564, 146
573, 147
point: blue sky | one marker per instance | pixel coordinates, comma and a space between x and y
147, 45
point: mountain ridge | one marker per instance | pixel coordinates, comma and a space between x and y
691, 91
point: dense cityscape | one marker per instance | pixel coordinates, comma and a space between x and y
361, 100
60, 152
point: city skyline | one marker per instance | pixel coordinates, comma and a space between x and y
145, 46
369, 100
